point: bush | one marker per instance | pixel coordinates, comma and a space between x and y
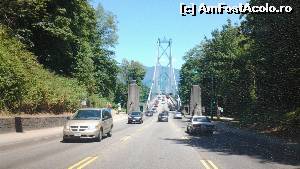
291, 123
26, 86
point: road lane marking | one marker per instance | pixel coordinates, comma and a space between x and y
125, 138
208, 164
184, 138
212, 164
87, 163
80, 162
204, 164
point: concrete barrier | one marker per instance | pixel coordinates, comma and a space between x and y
20, 124
7, 125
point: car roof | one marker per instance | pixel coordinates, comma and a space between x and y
199, 116
92, 108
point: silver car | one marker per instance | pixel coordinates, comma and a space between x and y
177, 115
88, 123
200, 124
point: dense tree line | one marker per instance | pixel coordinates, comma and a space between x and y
251, 70
130, 70
71, 39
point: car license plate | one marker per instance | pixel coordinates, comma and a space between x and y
77, 134
133, 120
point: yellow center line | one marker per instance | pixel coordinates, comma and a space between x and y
212, 164
204, 164
80, 162
208, 164
125, 138
87, 163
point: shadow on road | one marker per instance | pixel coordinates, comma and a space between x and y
82, 140
227, 143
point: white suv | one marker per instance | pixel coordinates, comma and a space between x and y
90, 123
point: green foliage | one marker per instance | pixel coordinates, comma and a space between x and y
216, 64
70, 38
121, 93
252, 70
95, 101
26, 86
130, 70
144, 91
291, 123
275, 55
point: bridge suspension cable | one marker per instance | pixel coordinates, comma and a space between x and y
167, 85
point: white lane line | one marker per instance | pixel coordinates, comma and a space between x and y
184, 138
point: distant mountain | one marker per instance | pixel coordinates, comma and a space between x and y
149, 75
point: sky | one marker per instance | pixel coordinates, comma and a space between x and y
142, 22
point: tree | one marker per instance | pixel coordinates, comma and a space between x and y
215, 65
106, 69
275, 55
70, 38
130, 70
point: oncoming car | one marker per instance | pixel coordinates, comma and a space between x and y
163, 116
135, 117
149, 113
200, 124
88, 123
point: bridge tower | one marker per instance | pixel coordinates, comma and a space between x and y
164, 80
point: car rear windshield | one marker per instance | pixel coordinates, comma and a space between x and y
135, 113
201, 119
87, 115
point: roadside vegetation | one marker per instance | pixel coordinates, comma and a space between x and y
54, 54
251, 70
130, 70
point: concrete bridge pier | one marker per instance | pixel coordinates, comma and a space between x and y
195, 101
133, 103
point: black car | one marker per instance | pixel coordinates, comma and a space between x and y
149, 113
135, 117
164, 116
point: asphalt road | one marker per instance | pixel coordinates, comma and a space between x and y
151, 145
